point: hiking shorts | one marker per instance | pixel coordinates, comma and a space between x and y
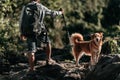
35, 42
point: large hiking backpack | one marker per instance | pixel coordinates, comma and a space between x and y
29, 19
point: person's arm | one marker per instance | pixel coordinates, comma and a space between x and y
52, 12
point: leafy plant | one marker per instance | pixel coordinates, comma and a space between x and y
111, 47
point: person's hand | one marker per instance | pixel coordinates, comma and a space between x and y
23, 38
61, 10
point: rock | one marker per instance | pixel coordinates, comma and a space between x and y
108, 68
57, 71
118, 78
4, 66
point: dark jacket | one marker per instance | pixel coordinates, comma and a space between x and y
43, 11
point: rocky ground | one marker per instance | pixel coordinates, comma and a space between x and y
65, 70
108, 68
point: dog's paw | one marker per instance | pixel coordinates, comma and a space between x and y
91, 67
77, 65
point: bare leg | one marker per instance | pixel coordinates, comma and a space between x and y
31, 59
48, 52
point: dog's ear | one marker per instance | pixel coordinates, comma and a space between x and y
101, 33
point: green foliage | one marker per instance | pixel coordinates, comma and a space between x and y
112, 13
8, 37
114, 31
9, 40
111, 47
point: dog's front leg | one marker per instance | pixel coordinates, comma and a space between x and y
78, 56
97, 56
93, 59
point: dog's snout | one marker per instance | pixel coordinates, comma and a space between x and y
97, 39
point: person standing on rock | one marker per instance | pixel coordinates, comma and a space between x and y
33, 29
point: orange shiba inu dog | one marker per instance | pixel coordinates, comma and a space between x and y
91, 48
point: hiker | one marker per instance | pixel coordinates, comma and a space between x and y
36, 31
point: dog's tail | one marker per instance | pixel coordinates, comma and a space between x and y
76, 38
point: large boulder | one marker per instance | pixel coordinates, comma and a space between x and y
108, 68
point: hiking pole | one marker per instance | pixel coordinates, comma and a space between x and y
67, 32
